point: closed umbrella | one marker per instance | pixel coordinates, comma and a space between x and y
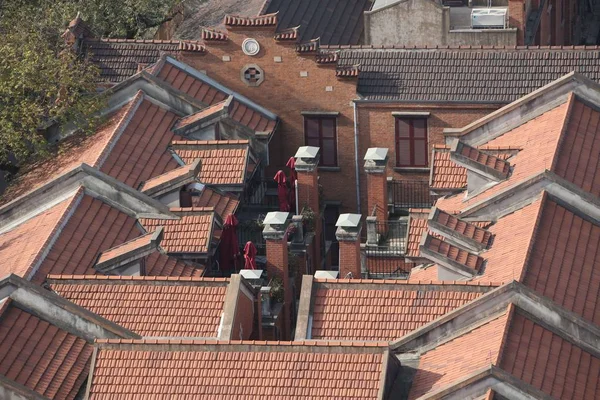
250, 256
282, 192
229, 247
291, 164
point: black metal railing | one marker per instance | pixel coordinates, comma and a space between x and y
392, 234
261, 192
385, 262
410, 194
251, 232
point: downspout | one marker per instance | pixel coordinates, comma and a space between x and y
356, 158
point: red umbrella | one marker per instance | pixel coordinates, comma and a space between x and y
250, 256
291, 164
229, 247
282, 191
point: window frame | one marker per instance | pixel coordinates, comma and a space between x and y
411, 140
319, 118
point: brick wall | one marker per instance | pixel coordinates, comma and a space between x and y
377, 129
350, 259
287, 94
277, 266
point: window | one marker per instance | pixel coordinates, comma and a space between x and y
320, 131
411, 142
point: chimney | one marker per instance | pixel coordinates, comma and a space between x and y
377, 193
348, 236
275, 234
307, 161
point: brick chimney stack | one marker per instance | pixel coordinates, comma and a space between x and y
275, 234
348, 236
307, 161
377, 192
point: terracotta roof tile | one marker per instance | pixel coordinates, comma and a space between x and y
118, 59
458, 358
211, 35
445, 173
347, 72
190, 233
157, 307
424, 273
417, 226
127, 247
463, 227
577, 158
544, 131
563, 265
384, 312
290, 34
549, 363
454, 253
239, 370
327, 58
22, 247
175, 175
210, 95
249, 22
214, 169
484, 159
311, 46
223, 204
41, 356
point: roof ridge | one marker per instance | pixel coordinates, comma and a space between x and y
311, 343
142, 278
408, 282
571, 99
191, 209
142, 41
209, 142
129, 241
459, 47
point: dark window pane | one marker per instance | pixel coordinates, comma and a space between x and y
328, 127
312, 127
313, 142
420, 153
403, 127
403, 156
328, 152
420, 128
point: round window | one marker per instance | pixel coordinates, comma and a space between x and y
250, 47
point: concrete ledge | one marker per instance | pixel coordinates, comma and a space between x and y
303, 322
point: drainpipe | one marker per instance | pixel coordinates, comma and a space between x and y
356, 157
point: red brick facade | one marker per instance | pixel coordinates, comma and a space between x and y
243, 322
350, 259
278, 267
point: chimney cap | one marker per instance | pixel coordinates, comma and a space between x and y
276, 218
251, 274
326, 274
348, 220
307, 152
376, 154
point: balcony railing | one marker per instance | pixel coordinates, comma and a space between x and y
410, 194
387, 234
261, 192
384, 262
251, 231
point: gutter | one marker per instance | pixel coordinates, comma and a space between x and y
356, 157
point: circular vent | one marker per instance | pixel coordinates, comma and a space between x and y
250, 47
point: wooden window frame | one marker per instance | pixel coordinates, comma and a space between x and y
319, 119
411, 140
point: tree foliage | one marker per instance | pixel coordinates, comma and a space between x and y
42, 80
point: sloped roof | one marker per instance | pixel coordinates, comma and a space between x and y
41, 356
237, 370
223, 204
384, 310
224, 162
333, 22
491, 75
200, 87
118, 59
149, 306
190, 233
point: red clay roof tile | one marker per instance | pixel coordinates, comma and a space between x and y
159, 307
41, 356
211, 35
454, 253
248, 22
271, 370
485, 159
190, 233
223, 161
382, 312
463, 227
223, 204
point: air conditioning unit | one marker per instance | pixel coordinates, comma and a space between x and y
488, 18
